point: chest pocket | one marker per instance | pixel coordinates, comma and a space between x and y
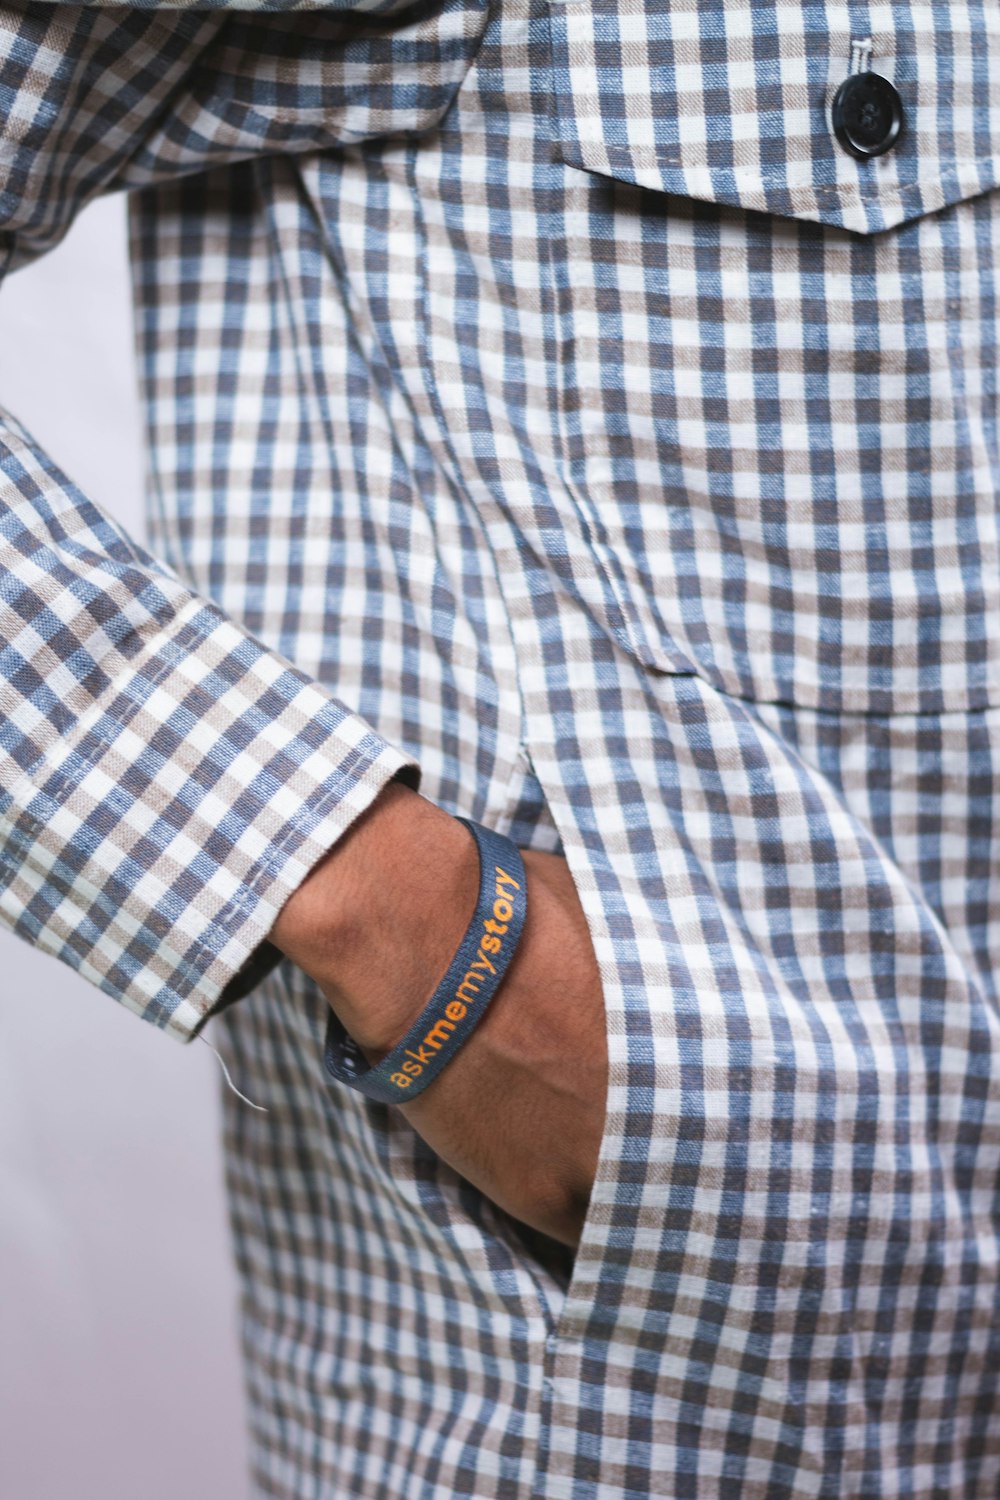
730, 101
777, 363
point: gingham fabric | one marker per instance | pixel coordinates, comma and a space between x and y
581, 424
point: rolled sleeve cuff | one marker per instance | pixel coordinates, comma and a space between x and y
156, 847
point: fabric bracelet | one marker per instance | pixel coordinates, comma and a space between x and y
460, 1000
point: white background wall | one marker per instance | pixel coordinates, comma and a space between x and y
119, 1376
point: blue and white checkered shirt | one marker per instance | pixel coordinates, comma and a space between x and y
541, 395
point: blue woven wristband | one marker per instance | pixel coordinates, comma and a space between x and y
460, 1000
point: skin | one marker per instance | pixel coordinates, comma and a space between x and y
519, 1112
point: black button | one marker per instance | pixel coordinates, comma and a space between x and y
867, 115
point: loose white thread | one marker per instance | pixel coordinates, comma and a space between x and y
230, 1082
861, 55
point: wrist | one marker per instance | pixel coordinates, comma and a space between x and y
378, 920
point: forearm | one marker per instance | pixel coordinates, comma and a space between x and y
377, 921
520, 1109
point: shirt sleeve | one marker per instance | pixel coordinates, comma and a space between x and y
166, 781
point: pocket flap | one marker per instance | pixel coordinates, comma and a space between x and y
730, 101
